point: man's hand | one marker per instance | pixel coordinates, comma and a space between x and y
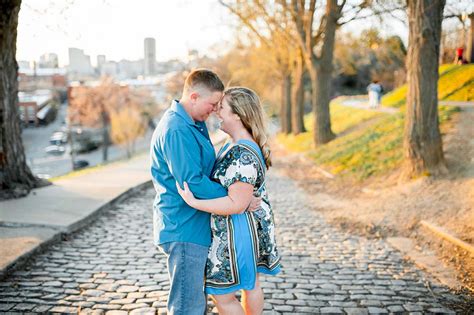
254, 204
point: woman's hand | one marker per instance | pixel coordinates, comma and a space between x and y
186, 194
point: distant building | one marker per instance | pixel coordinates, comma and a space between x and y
172, 65
36, 107
130, 69
46, 78
48, 60
150, 56
100, 61
22, 64
109, 68
79, 63
193, 58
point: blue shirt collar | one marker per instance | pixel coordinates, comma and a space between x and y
178, 108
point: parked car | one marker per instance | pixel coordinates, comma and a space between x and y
55, 149
80, 164
84, 146
58, 138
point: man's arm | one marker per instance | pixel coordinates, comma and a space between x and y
183, 156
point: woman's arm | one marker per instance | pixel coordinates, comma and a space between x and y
239, 196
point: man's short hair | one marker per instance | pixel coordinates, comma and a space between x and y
204, 78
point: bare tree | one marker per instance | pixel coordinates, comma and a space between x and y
319, 66
271, 26
16, 178
422, 139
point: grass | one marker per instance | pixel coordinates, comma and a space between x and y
456, 83
343, 117
362, 151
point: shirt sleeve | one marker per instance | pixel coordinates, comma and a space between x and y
244, 168
182, 154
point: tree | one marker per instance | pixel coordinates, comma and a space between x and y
319, 66
91, 107
127, 122
359, 59
271, 26
16, 178
422, 139
470, 42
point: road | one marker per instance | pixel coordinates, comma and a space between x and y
36, 139
112, 266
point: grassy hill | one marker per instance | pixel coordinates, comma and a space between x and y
370, 143
456, 83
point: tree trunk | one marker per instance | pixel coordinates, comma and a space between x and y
320, 82
285, 110
16, 178
470, 41
321, 75
422, 139
297, 97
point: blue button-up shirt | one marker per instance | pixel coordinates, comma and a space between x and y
181, 150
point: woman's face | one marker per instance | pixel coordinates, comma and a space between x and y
229, 121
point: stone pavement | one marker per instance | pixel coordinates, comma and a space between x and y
27, 224
112, 267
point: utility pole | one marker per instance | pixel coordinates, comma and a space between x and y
71, 137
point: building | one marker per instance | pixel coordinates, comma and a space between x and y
36, 107
79, 63
109, 68
46, 78
48, 60
150, 56
100, 61
130, 69
23, 64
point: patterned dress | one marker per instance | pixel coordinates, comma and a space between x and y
242, 244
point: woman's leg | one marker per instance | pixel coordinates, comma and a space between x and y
227, 304
252, 300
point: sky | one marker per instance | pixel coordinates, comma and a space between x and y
117, 28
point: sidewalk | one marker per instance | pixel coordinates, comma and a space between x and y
29, 224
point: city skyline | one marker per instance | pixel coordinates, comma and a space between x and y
48, 27
117, 29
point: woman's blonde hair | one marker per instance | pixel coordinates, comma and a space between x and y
245, 103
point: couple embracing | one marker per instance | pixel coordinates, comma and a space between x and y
211, 215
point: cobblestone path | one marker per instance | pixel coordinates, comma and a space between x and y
111, 267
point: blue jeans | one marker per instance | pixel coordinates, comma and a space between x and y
186, 265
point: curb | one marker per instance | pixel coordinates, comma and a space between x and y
61, 234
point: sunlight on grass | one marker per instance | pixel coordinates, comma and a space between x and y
364, 151
455, 84
343, 118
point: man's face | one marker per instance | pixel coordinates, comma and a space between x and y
204, 103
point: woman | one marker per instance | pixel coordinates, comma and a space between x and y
243, 243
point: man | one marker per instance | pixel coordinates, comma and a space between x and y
181, 151
375, 90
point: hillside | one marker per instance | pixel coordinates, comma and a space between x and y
370, 142
365, 197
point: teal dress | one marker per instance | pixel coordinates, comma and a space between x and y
242, 244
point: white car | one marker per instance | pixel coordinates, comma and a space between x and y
58, 138
55, 149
